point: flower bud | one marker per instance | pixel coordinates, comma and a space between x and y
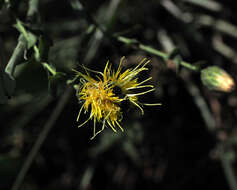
215, 78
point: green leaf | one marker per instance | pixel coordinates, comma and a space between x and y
29, 37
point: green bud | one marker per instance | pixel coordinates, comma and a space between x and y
215, 78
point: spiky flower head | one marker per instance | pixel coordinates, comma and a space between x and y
100, 98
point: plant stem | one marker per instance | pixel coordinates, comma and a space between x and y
227, 166
49, 68
15, 58
78, 6
153, 51
48, 126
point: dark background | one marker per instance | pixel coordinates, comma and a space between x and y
172, 146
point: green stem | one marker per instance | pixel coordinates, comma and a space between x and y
16, 57
228, 169
41, 138
153, 51
49, 68
45, 65
129, 41
22, 29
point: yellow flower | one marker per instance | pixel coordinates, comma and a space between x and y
101, 95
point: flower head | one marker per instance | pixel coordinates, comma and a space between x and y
215, 78
100, 94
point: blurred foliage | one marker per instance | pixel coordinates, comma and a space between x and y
187, 143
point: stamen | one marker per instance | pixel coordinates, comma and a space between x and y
95, 134
143, 60
154, 104
111, 126
137, 106
80, 112
94, 126
84, 122
133, 74
119, 67
119, 126
144, 86
82, 80
144, 81
87, 69
105, 71
138, 94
